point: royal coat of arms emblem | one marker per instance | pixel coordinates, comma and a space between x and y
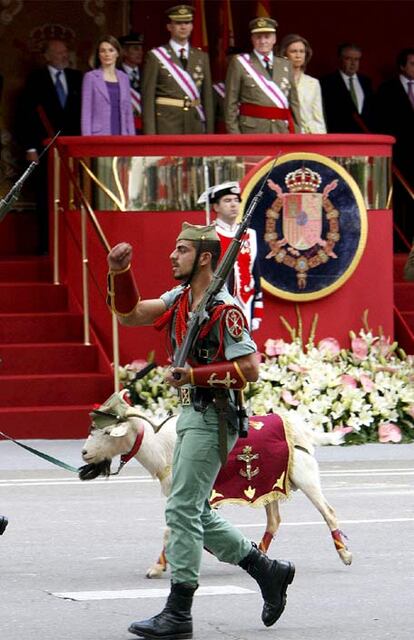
311, 228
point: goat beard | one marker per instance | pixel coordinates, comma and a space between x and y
95, 469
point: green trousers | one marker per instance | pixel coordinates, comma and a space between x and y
193, 524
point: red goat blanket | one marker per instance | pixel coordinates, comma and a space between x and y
257, 469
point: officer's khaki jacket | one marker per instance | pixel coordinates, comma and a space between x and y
157, 81
409, 266
241, 87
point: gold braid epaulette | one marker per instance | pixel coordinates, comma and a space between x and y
122, 294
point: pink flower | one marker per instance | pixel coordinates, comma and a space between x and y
288, 398
137, 365
384, 346
359, 348
329, 347
389, 432
297, 368
348, 381
275, 347
343, 429
366, 383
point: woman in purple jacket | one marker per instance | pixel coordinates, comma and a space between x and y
106, 99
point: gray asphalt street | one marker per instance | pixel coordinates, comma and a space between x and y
74, 556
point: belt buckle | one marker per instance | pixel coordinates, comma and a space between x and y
185, 396
203, 354
187, 103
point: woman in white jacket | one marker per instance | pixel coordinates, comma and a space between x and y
297, 49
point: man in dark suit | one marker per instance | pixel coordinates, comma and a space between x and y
395, 116
347, 95
51, 102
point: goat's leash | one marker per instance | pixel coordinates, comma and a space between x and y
41, 454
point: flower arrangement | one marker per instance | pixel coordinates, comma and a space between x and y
156, 399
366, 391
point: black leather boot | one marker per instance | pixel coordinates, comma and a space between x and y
175, 621
273, 578
3, 524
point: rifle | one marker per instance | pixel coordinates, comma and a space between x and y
8, 201
200, 315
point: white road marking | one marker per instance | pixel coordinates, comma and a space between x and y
322, 522
227, 590
347, 473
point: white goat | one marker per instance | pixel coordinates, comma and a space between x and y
130, 436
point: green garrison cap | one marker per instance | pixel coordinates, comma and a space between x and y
196, 232
262, 25
180, 13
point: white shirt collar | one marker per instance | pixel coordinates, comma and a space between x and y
177, 47
405, 81
262, 55
225, 226
129, 69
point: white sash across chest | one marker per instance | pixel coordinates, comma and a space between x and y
136, 100
182, 77
269, 87
220, 88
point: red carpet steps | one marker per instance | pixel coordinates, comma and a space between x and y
403, 305
49, 380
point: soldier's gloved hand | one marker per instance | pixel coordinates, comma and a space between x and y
119, 256
256, 323
182, 376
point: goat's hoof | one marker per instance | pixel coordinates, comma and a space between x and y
155, 571
346, 556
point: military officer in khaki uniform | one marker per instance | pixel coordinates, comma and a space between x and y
220, 363
176, 85
261, 95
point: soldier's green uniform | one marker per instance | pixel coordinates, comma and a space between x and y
197, 460
170, 107
196, 464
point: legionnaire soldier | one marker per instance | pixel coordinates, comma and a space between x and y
176, 85
244, 282
132, 54
223, 361
261, 95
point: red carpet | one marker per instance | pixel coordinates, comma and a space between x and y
49, 379
403, 305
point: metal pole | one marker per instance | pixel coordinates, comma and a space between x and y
115, 350
56, 213
85, 291
206, 186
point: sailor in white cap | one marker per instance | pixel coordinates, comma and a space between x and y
244, 282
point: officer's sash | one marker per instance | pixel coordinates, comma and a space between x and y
268, 87
182, 78
220, 88
136, 101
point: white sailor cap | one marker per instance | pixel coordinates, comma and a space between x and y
213, 194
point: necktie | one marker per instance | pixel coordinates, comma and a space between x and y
352, 92
60, 89
267, 65
183, 59
135, 79
411, 92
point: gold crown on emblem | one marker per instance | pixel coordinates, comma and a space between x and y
261, 23
303, 179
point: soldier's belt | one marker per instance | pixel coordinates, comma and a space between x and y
176, 102
188, 395
267, 113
